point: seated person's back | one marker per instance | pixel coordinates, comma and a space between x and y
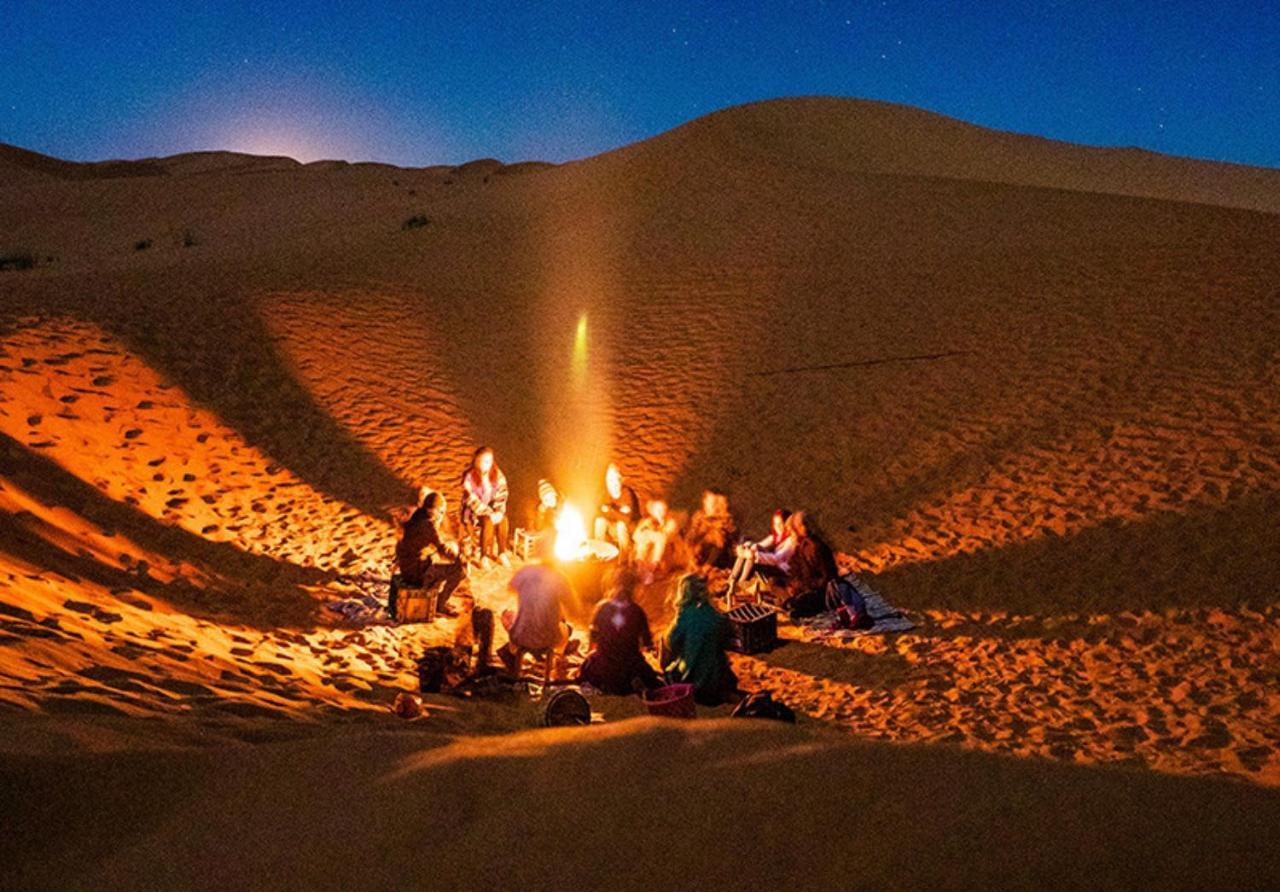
541, 590
619, 630
696, 644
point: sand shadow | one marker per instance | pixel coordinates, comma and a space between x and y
922, 811
252, 589
223, 356
216, 347
842, 665
1216, 556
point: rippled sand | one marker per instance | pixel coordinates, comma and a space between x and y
1029, 390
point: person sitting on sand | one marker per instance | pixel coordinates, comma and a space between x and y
537, 624
619, 510
770, 557
547, 509
425, 558
713, 533
694, 647
812, 568
651, 537
484, 505
619, 632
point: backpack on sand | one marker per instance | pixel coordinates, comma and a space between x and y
851, 609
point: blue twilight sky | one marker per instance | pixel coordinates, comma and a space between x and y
430, 82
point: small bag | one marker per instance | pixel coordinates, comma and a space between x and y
850, 619
442, 667
851, 608
761, 705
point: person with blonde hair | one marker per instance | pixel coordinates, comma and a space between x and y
695, 645
619, 510
651, 538
713, 532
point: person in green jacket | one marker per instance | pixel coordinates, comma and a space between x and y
695, 644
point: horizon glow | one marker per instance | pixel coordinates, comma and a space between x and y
449, 82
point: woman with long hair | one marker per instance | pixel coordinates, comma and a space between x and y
812, 569
694, 651
771, 556
484, 505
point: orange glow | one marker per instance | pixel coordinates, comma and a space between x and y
571, 534
105, 416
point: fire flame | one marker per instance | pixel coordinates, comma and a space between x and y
571, 534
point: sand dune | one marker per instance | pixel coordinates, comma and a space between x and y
524, 811
881, 138
1029, 389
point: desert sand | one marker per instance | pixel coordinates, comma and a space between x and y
1030, 390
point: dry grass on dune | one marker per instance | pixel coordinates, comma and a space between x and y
1029, 389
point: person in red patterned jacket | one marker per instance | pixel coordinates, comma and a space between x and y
484, 505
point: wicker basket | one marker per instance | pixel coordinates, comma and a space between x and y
754, 628
672, 701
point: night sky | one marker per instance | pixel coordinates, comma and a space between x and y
424, 83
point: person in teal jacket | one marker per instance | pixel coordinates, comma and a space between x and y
696, 642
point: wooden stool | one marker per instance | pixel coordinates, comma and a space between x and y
523, 541
545, 657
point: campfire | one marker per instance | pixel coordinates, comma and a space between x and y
584, 559
571, 535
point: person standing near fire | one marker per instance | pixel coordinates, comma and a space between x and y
619, 510
484, 506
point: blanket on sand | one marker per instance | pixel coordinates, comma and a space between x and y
887, 618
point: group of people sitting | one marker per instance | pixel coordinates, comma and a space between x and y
791, 557
791, 561
693, 649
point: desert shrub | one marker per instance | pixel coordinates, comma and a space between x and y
416, 222
17, 260
189, 239
142, 245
